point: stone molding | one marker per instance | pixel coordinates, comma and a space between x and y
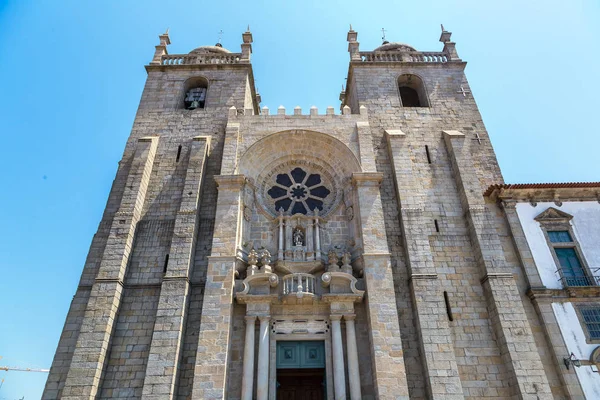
367, 178
230, 182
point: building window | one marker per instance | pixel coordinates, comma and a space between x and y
565, 249
195, 93
559, 236
590, 315
412, 91
570, 266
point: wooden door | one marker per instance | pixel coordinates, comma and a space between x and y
301, 384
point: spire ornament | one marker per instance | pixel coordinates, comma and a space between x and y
383, 31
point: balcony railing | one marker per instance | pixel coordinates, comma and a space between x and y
193, 59
299, 284
403, 56
572, 281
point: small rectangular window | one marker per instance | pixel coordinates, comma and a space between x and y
591, 317
559, 236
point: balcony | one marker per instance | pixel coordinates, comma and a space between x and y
579, 281
299, 285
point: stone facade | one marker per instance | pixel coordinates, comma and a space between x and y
232, 230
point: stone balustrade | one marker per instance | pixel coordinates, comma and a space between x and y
299, 284
195, 59
403, 56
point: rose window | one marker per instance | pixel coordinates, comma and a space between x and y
298, 192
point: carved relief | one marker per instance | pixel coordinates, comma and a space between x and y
316, 326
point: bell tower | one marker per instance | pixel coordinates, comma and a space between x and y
436, 158
145, 272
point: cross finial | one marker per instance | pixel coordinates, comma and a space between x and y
383, 34
220, 35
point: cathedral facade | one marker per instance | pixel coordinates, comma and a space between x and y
374, 253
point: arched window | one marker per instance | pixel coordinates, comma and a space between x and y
412, 91
195, 93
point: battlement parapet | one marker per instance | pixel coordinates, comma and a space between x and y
297, 113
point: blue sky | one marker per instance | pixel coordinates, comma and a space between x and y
71, 75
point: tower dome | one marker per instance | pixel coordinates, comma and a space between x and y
395, 46
218, 48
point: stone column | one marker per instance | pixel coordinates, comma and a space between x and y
90, 354
262, 381
339, 381
280, 247
288, 235
317, 238
167, 338
310, 240
353, 369
505, 304
248, 377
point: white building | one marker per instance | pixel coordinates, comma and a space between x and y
556, 228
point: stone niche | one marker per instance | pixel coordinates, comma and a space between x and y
299, 243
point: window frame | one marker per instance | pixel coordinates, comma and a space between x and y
563, 223
578, 311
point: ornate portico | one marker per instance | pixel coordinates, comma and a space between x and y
271, 303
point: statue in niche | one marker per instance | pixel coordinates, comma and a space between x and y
298, 237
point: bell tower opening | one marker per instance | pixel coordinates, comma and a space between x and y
412, 91
195, 93
301, 370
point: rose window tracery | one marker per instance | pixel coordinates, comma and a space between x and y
298, 191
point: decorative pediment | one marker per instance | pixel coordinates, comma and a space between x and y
553, 215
